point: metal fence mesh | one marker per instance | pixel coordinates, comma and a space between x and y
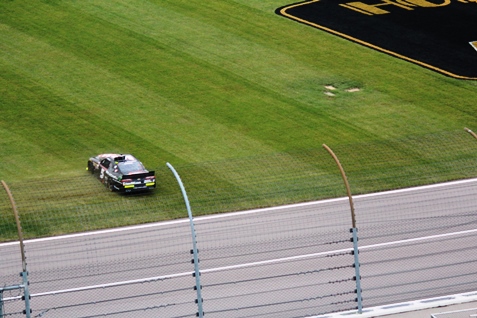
273, 262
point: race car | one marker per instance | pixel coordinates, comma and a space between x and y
121, 172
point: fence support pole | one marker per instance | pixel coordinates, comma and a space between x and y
194, 251
471, 132
24, 274
13, 287
354, 231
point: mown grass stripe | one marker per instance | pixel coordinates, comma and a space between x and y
228, 92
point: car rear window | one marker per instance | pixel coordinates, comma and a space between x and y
128, 167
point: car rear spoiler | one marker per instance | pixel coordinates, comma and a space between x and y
140, 175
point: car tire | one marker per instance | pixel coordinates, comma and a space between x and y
109, 185
90, 167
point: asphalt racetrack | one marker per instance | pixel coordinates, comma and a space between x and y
437, 34
414, 244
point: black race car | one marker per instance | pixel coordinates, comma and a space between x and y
121, 172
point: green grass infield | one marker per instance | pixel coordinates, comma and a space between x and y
237, 98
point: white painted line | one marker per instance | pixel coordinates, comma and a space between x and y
437, 236
405, 307
457, 311
225, 215
292, 258
115, 284
272, 261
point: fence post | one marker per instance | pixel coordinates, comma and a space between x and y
24, 274
471, 132
353, 230
194, 251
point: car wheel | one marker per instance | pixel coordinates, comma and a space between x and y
90, 167
109, 185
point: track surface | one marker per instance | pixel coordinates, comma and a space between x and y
414, 244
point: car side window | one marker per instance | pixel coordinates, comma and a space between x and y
106, 163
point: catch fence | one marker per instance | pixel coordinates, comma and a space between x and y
92, 253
